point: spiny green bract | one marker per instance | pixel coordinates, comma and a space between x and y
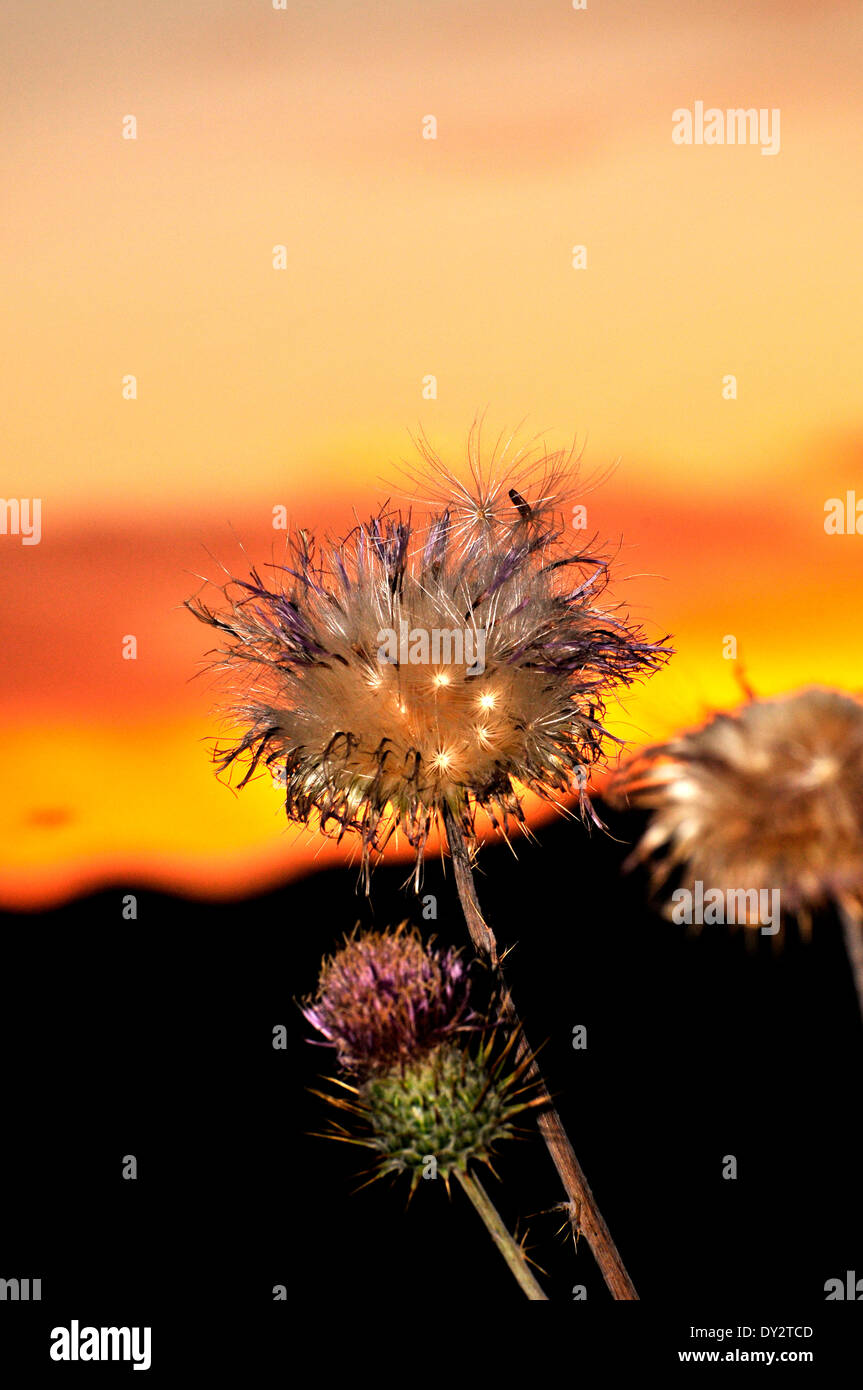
447, 1105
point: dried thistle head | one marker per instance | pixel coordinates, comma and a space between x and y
450, 1105
407, 669
386, 998
771, 795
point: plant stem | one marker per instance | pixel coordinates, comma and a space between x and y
508, 1247
852, 930
585, 1215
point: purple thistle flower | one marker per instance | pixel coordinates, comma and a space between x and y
386, 998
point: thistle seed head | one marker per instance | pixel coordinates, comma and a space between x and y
386, 998
770, 796
409, 668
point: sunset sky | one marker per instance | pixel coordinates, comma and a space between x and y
405, 257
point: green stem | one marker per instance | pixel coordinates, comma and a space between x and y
508, 1247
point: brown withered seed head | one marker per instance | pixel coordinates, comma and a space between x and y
770, 796
408, 669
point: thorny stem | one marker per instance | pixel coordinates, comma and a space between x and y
852, 930
506, 1244
585, 1215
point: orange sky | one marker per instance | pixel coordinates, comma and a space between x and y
405, 257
